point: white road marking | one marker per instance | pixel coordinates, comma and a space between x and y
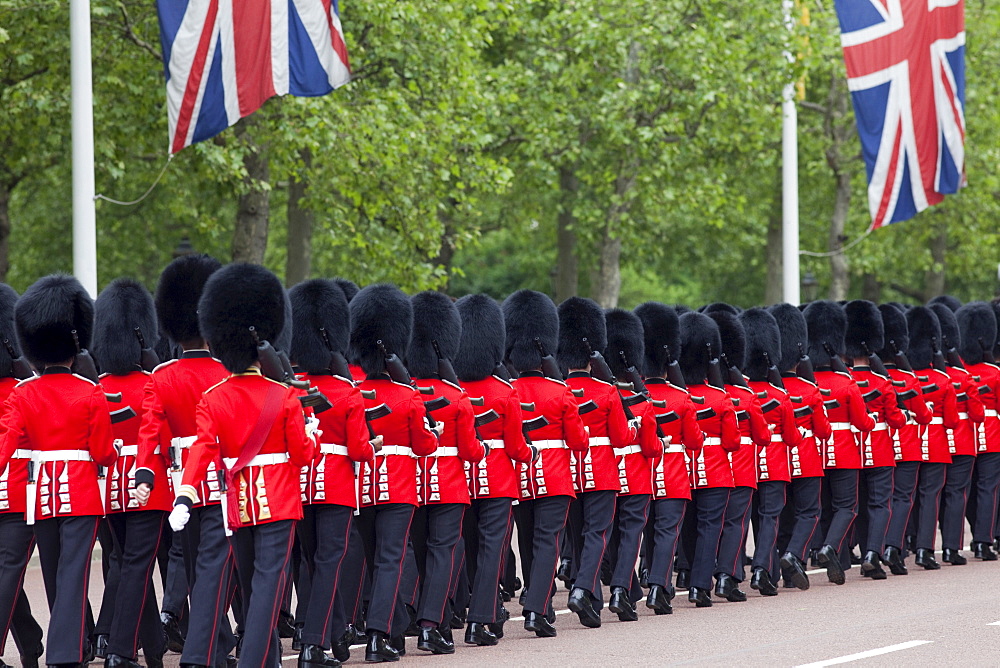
993, 624
866, 655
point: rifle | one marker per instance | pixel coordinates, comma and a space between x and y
987, 353
19, 366
338, 363
633, 376
674, 374
874, 361
714, 375
83, 365
374, 413
274, 368
773, 375
445, 370
937, 358
148, 358
836, 363
804, 367
899, 357
733, 373
549, 366
954, 359
398, 373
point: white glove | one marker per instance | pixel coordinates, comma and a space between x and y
179, 516
142, 493
635, 423
438, 429
312, 428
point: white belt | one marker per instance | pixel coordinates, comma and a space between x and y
627, 450
600, 440
259, 460
880, 426
777, 438
183, 442
61, 456
991, 412
21, 454
744, 440
713, 440
963, 416
444, 452
840, 426
806, 433
937, 420
549, 444
494, 443
387, 450
129, 451
332, 449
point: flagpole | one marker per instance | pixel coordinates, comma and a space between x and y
82, 96
789, 182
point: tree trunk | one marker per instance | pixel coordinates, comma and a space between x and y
934, 279
4, 231
871, 288
840, 281
773, 287
606, 280
567, 273
253, 210
447, 251
298, 263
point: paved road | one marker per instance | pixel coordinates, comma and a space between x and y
924, 619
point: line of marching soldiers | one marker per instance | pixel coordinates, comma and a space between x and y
375, 452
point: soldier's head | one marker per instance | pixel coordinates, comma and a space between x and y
581, 330
698, 331
177, 295
529, 316
661, 337
978, 328
625, 340
793, 332
381, 323
123, 307
435, 320
54, 320
865, 330
827, 326
321, 324
481, 347
763, 336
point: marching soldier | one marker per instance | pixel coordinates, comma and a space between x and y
827, 325
63, 420
582, 330
381, 325
125, 325
546, 484
322, 329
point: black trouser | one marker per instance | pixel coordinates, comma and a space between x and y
958, 479
801, 517
633, 512
136, 536
770, 503
843, 485
17, 541
208, 558
385, 529
710, 513
353, 574
590, 529
323, 532
731, 558
929, 485
539, 523
65, 546
661, 543
487, 532
876, 495
982, 507
435, 533
904, 485
175, 586
262, 565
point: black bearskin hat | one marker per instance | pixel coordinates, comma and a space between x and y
976, 322
827, 324
763, 336
481, 346
318, 304
715, 307
734, 339
8, 298
864, 326
625, 335
923, 325
177, 295
435, 318
283, 340
681, 309
121, 307
950, 336
697, 331
529, 315
47, 313
894, 326
793, 331
660, 327
350, 288
949, 301
580, 318
379, 312
237, 297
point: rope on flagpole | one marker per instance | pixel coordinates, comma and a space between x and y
145, 194
839, 251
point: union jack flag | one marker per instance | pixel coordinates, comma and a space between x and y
906, 73
224, 58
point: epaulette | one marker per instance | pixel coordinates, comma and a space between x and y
76, 375
603, 382
507, 383
163, 365
557, 382
26, 380
216, 385
453, 385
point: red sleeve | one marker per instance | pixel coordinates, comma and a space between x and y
790, 433
470, 448
12, 436
101, 441
649, 442
890, 411
857, 414
422, 440
574, 431
729, 427
153, 432
301, 448
950, 409
917, 406
203, 452
620, 432
977, 412
513, 437
359, 448
820, 421
759, 431
691, 433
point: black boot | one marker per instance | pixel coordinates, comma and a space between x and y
477, 633
563, 572
153, 660
683, 579
117, 661
496, 628
398, 643
728, 588
580, 603
953, 557
795, 571
341, 649
761, 581
871, 566
925, 558
644, 578
537, 624
379, 649
829, 559
431, 640
172, 629
622, 606
983, 551
286, 625
297, 638
101, 646
313, 656
31, 660
894, 558
658, 600
700, 597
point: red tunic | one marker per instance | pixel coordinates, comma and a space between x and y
754, 434
549, 475
495, 477
847, 417
14, 477
64, 420
329, 478
970, 412
267, 488
597, 470
907, 441
682, 443
168, 419
876, 445
441, 476
806, 459
392, 476
988, 433
773, 460
711, 468
939, 395
646, 448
